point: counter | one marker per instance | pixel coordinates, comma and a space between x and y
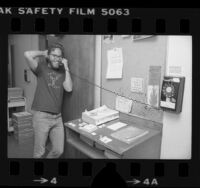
82, 144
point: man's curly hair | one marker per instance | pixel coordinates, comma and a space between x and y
54, 46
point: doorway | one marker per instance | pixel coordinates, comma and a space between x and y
80, 53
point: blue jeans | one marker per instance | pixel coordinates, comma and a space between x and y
48, 125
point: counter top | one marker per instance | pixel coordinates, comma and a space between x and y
115, 145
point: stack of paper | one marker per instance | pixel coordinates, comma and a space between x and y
100, 115
22, 123
89, 128
16, 99
15, 94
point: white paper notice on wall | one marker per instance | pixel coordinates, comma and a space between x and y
153, 95
123, 104
175, 70
115, 63
137, 85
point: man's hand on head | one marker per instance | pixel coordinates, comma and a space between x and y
45, 53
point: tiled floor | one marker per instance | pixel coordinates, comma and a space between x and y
23, 149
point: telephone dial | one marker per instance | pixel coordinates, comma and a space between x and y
172, 93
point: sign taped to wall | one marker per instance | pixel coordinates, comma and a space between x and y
115, 63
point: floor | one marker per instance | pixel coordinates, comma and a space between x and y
20, 149
23, 148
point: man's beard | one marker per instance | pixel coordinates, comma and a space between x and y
52, 66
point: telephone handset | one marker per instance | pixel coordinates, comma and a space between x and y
61, 64
172, 93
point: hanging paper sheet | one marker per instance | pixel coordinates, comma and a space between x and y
115, 63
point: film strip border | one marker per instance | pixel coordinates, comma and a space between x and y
140, 21
90, 26
84, 172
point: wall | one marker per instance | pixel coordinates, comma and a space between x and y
169, 51
176, 140
138, 55
22, 43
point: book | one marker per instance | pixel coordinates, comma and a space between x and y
15, 99
22, 126
21, 116
22, 132
100, 115
22, 122
24, 136
20, 129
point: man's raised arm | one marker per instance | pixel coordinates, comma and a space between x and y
31, 57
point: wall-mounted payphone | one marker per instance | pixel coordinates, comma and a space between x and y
172, 93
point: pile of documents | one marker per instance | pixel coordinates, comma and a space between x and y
22, 123
15, 94
100, 115
89, 128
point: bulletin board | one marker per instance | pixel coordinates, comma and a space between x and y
138, 56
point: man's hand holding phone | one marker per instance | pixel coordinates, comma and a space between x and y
65, 63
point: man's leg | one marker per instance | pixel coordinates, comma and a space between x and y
56, 136
41, 125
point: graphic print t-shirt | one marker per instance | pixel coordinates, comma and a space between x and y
49, 92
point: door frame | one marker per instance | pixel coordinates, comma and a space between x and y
97, 73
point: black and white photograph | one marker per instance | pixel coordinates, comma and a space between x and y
99, 96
